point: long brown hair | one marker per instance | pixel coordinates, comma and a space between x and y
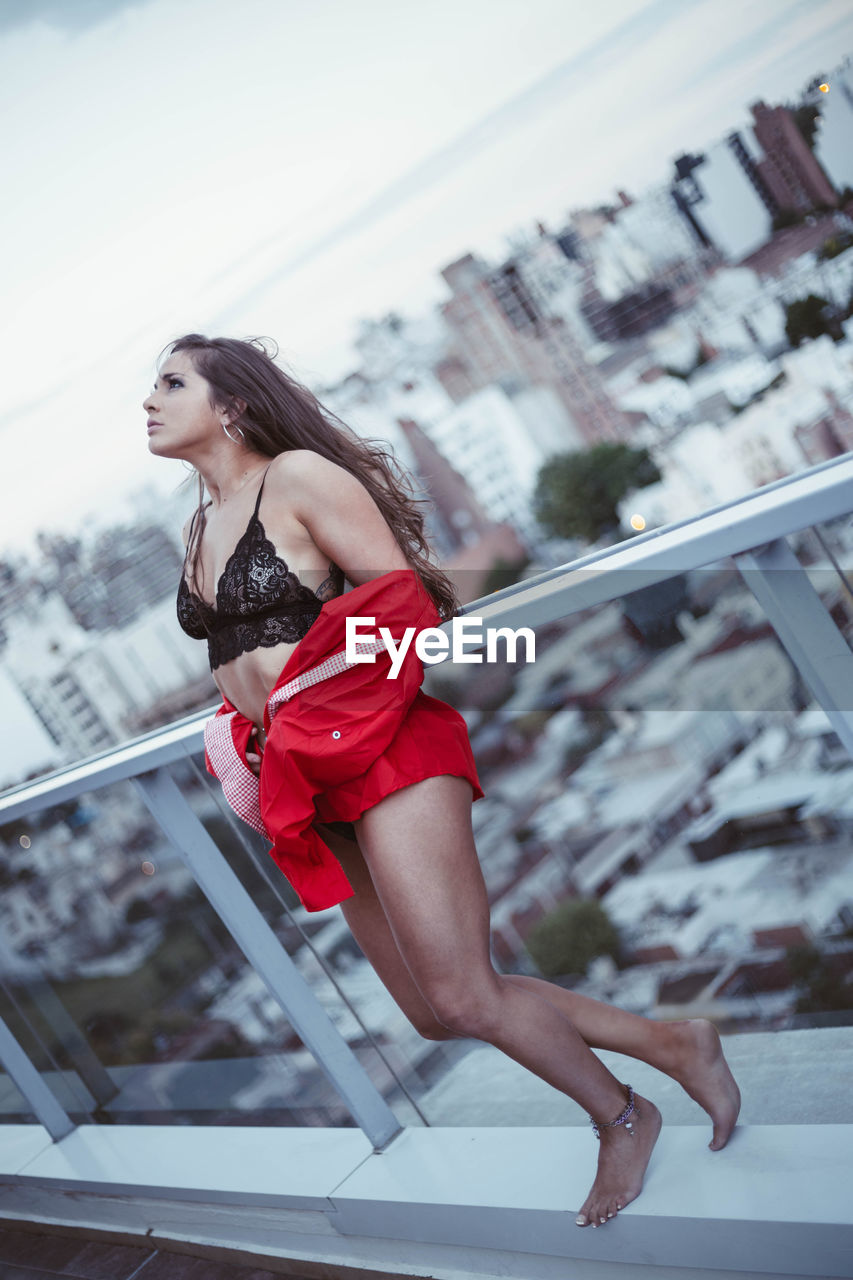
282, 414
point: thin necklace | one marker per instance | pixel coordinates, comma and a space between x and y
203, 520
239, 488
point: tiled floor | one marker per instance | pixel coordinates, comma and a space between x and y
25, 1255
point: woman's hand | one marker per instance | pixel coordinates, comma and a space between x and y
257, 739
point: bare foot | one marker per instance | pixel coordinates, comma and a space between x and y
704, 1074
622, 1161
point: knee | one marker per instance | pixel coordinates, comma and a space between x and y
432, 1029
464, 1011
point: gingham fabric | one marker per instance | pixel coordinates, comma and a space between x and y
330, 667
240, 785
335, 752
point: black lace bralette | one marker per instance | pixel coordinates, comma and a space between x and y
259, 601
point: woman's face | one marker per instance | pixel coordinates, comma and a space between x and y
181, 419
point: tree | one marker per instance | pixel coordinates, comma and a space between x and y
577, 494
139, 909
503, 573
823, 987
786, 218
569, 937
813, 85
808, 318
806, 117
835, 245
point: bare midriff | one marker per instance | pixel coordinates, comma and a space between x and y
248, 679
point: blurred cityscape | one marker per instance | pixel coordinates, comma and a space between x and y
661, 757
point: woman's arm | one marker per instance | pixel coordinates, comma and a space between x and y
338, 513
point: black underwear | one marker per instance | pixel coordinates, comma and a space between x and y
260, 602
345, 829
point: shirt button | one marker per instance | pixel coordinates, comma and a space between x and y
336, 733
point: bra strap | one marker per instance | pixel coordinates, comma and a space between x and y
190, 535
260, 491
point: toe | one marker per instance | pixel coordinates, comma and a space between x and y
722, 1132
585, 1216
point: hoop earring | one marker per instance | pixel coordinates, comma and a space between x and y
229, 435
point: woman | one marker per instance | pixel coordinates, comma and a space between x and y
417, 904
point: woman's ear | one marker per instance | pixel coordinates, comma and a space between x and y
234, 410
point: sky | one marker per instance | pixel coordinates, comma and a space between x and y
287, 169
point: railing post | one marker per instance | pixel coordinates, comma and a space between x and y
817, 648
267, 956
91, 1072
25, 1076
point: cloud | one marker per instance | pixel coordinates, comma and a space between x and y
744, 47
492, 129
64, 15
387, 150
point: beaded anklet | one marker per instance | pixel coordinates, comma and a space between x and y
623, 1119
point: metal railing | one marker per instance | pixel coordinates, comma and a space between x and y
753, 530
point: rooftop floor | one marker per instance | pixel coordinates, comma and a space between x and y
27, 1254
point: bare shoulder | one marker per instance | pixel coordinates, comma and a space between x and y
307, 466
304, 478
337, 513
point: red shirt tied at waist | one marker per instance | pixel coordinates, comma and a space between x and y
338, 734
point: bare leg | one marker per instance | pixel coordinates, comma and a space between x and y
369, 926
419, 848
689, 1051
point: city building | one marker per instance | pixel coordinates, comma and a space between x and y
790, 168
503, 335
113, 581
487, 442
88, 689
721, 201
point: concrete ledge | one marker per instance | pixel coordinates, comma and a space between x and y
281, 1168
776, 1199
448, 1202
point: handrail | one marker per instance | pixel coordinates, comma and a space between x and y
751, 529
766, 515
775, 511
